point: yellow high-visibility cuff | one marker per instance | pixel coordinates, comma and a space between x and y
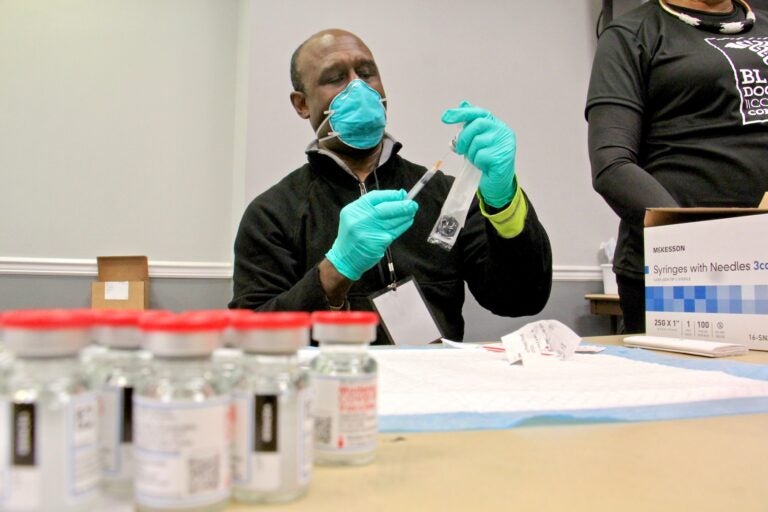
510, 221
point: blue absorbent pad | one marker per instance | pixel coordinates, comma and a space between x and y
456, 421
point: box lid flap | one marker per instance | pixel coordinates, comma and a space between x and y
123, 268
664, 216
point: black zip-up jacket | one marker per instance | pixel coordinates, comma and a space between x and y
286, 231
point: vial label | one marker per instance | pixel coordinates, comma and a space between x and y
345, 413
24, 473
257, 459
182, 451
116, 431
4, 451
305, 438
71, 437
84, 444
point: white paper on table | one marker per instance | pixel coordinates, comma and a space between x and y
424, 381
530, 350
535, 343
499, 348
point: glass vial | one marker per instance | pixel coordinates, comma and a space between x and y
49, 415
6, 358
272, 455
344, 380
228, 359
182, 417
114, 374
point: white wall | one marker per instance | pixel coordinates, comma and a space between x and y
145, 126
528, 63
116, 128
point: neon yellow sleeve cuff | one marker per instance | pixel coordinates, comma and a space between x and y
510, 221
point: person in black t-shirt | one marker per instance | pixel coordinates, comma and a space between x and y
678, 116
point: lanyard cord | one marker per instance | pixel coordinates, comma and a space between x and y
388, 252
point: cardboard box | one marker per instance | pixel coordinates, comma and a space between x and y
123, 283
706, 274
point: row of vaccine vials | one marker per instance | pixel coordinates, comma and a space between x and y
142, 404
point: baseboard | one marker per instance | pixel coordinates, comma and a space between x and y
203, 270
87, 267
577, 273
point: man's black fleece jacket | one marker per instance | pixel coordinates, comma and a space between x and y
286, 231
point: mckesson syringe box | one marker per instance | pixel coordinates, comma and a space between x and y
706, 274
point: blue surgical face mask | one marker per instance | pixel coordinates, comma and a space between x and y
356, 116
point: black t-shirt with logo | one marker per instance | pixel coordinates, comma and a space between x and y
703, 98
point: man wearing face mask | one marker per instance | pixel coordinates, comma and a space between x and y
339, 229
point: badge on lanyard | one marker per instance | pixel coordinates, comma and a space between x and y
405, 315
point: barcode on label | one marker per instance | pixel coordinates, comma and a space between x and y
204, 474
323, 429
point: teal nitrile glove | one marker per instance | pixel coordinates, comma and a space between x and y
490, 145
367, 226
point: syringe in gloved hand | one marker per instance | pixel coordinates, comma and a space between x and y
428, 175
423, 180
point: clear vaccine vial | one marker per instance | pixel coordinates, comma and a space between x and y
272, 455
344, 380
114, 374
48, 415
232, 336
228, 360
6, 358
182, 417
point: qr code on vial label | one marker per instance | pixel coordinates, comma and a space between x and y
323, 430
204, 474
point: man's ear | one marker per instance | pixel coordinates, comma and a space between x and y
299, 102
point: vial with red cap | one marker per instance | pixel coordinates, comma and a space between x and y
272, 455
115, 373
49, 414
6, 359
182, 416
344, 380
228, 359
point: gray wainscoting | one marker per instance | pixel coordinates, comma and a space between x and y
566, 303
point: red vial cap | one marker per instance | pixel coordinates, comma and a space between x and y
118, 317
188, 321
272, 321
345, 317
47, 319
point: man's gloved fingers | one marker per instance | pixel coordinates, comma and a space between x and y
375, 197
388, 227
396, 209
392, 229
464, 114
482, 142
375, 246
471, 131
401, 228
485, 160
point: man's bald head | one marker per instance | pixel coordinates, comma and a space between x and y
324, 37
321, 68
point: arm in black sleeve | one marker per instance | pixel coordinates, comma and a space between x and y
268, 274
508, 276
614, 142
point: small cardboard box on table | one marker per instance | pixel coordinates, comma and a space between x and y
123, 283
706, 274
